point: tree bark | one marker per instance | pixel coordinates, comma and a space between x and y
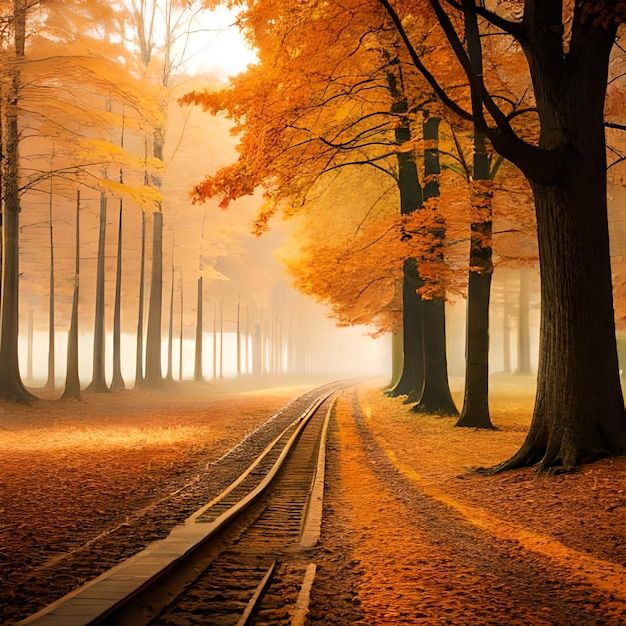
72, 380
139, 352
197, 370
579, 409
475, 411
411, 380
506, 333
11, 385
51, 383
435, 396
98, 381
154, 375
523, 325
170, 335
117, 382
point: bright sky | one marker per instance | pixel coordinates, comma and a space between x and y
217, 46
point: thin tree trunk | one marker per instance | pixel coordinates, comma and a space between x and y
170, 335
154, 374
117, 382
523, 324
139, 352
29, 363
221, 341
180, 352
72, 380
50, 383
475, 412
396, 357
98, 381
238, 340
506, 332
215, 342
197, 371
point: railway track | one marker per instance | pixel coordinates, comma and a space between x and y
243, 558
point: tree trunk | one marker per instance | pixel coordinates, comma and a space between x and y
154, 375
238, 341
29, 362
197, 370
506, 333
117, 382
411, 380
396, 357
257, 350
170, 335
98, 381
215, 342
180, 351
221, 341
139, 352
579, 408
523, 324
11, 385
50, 383
435, 396
475, 411
72, 380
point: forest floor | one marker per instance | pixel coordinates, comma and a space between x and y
411, 534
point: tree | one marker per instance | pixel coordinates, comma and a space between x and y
72, 380
341, 111
579, 410
11, 385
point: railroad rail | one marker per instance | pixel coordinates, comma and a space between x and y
243, 558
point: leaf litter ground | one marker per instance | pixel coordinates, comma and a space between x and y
410, 536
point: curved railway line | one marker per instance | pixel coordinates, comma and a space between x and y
245, 557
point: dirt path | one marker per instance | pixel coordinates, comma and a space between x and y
411, 552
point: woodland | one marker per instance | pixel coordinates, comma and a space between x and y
414, 148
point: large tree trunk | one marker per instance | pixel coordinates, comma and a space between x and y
98, 381
72, 380
579, 409
411, 380
435, 396
11, 385
117, 382
154, 375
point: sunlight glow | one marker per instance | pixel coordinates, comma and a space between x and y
217, 46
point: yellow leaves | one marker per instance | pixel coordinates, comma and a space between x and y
146, 197
102, 152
